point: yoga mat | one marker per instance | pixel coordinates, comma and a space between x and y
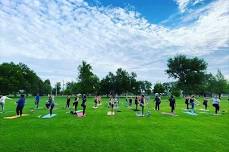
169, 114
79, 111
15, 117
139, 114
109, 113
48, 116
219, 114
191, 113
204, 110
80, 114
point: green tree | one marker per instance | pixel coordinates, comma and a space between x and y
158, 88
190, 73
15, 77
218, 84
47, 88
57, 89
88, 81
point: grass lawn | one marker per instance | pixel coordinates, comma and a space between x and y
122, 132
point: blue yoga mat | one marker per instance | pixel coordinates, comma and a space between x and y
48, 116
191, 113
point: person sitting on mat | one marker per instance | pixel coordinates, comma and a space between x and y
68, 102
20, 105
83, 105
37, 100
172, 103
205, 102
2, 101
157, 102
50, 104
142, 104
75, 103
215, 104
136, 103
187, 99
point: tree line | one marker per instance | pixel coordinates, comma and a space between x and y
190, 77
19, 78
120, 82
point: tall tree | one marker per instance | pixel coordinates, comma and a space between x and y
47, 88
158, 88
87, 80
218, 84
15, 77
190, 72
57, 89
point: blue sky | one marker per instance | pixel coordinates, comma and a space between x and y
154, 11
54, 36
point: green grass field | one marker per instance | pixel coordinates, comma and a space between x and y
122, 132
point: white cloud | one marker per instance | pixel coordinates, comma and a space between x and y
183, 4
62, 33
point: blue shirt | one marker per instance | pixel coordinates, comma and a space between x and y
37, 98
21, 102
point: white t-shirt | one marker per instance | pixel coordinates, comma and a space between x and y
3, 99
215, 101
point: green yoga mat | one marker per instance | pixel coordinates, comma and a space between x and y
48, 116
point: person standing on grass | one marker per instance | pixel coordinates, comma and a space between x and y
193, 102
172, 103
20, 105
187, 99
130, 101
2, 101
68, 102
215, 104
157, 102
111, 104
142, 104
205, 103
75, 103
136, 103
96, 101
50, 104
84, 100
37, 100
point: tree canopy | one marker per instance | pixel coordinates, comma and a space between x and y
190, 72
15, 78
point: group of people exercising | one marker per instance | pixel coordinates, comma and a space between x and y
191, 100
113, 102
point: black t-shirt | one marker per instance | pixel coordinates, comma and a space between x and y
157, 99
191, 100
172, 101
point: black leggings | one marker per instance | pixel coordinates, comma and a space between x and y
37, 104
172, 108
67, 104
19, 110
76, 105
157, 106
136, 106
205, 106
187, 104
216, 108
84, 109
142, 110
51, 108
